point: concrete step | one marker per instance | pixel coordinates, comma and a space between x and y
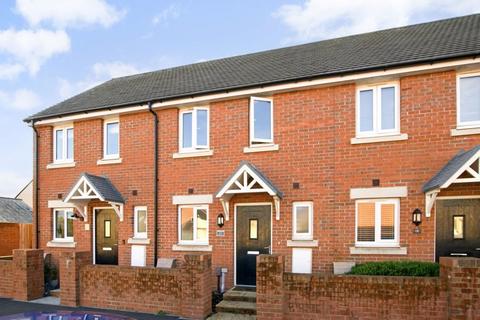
237, 307
231, 316
55, 293
236, 295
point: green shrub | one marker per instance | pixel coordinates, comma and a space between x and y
397, 268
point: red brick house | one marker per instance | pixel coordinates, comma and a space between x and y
320, 152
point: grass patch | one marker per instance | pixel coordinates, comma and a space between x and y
397, 268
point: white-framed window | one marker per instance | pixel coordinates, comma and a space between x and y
63, 144
302, 221
111, 139
378, 110
140, 223
194, 129
377, 222
63, 225
193, 224
468, 100
261, 121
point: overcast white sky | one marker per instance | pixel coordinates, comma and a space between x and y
51, 50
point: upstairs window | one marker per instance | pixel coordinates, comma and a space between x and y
378, 110
468, 101
63, 225
63, 144
194, 129
111, 139
377, 222
261, 121
193, 225
302, 221
140, 223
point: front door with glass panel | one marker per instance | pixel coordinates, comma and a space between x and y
106, 237
458, 228
253, 238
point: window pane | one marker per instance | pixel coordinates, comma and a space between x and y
112, 138
253, 232
59, 224
202, 129
302, 219
69, 224
470, 99
366, 221
262, 122
108, 229
202, 225
388, 108
458, 226
387, 231
187, 130
186, 218
366, 110
59, 144
69, 143
141, 221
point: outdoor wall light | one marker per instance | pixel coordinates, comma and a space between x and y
220, 220
417, 219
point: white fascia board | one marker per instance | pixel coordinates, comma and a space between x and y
375, 193
193, 199
59, 204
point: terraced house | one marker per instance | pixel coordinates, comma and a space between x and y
353, 149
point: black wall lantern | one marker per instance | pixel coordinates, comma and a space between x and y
220, 220
417, 219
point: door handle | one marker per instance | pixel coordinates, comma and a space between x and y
268, 248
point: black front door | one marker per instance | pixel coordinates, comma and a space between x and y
106, 237
253, 238
458, 228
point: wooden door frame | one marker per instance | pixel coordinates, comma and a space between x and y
248, 204
94, 230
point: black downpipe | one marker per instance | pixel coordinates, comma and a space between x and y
155, 185
35, 184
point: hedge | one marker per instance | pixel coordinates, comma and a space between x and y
397, 268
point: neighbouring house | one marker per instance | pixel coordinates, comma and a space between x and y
347, 150
16, 222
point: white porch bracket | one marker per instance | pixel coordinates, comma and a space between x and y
118, 207
430, 198
277, 207
226, 207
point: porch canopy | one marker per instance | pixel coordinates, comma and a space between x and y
247, 179
462, 168
90, 187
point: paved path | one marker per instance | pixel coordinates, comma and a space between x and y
10, 307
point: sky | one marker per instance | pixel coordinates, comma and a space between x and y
51, 50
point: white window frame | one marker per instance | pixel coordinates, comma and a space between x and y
378, 242
377, 110
258, 141
466, 124
136, 234
64, 130
195, 241
64, 239
302, 236
105, 135
195, 146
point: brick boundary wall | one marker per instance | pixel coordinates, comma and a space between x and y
184, 291
22, 277
454, 295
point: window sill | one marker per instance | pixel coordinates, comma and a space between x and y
200, 153
302, 243
191, 247
464, 131
138, 241
261, 148
109, 161
61, 165
395, 137
379, 250
61, 244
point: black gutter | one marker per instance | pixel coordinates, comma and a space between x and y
35, 184
155, 185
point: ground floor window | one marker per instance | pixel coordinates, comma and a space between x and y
193, 224
377, 222
63, 224
140, 223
